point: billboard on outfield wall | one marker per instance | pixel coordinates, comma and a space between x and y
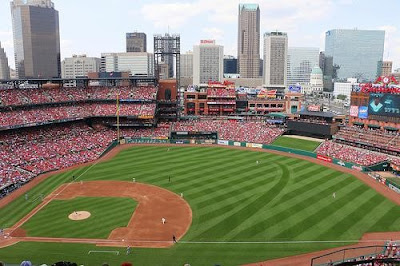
324, 158
354, 111
223, 142
237, 144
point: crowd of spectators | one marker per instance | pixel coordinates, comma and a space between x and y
18, 97
389, 255
221, 93
248, 131
27, 153
355, 155
388, 140
77, 111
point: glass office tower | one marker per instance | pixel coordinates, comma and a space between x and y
36, 39
356, 52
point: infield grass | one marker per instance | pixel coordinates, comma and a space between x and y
294, 143
233, 200
53, 221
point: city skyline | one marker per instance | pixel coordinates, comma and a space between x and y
305, 23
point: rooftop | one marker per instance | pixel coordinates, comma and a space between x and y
252, 7
316, 70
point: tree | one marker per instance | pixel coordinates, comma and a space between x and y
341, 97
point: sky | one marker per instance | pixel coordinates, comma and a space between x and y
93, 27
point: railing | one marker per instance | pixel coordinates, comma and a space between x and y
348, 254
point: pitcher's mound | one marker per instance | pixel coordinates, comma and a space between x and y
77, 216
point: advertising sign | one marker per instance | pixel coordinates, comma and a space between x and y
354, 111
295, 88
363, 112
223, 142
324, 158
314, 108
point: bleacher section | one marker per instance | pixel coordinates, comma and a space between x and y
388, 141
19, 97
248, 131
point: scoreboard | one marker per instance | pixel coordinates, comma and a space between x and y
384, 105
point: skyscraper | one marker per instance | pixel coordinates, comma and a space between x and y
79, 66
230, 64
275, 59
187, 64
208, 62
301, 61
385, 68
4, 68
137, 64
36, 38
356, 52
249, 41
136, 42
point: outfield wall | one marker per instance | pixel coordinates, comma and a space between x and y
248, 145
221, 142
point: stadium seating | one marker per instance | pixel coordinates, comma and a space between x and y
353, 154
26, 153
18, 97
375, 138
81, 110
256, 132
221, 93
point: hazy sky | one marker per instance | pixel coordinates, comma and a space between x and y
95, 26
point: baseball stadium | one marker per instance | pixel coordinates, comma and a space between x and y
132, 169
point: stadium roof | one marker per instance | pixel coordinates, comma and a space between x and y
318, 114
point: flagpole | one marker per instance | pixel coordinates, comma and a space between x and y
118, 132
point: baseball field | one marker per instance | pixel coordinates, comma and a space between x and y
242, 211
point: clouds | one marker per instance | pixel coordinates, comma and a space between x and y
305, 21
392, 43
174, 15
274, 14
213, 34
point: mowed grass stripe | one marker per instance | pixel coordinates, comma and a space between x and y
279, 215
248, 210
14, 211
224, 184
355, 212
53, 221
232, 202
315, 212
284, 211
230, 174
154, 174
189, 178
298, 190
229, 197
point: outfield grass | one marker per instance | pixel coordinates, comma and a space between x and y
294, 143
53, 221
234, 200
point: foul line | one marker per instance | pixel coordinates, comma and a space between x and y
105, 251
282, 242
50, 197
